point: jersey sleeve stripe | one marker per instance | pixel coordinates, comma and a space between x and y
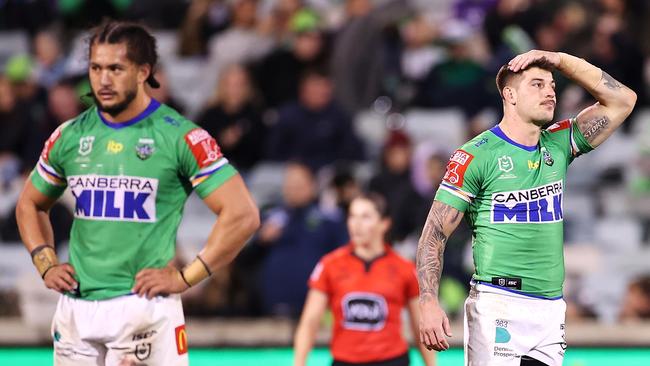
574, 145
452, 187
456, 192
204, 173
48, 173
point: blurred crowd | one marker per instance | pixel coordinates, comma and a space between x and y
316, 100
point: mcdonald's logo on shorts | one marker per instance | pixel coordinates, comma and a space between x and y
181, 339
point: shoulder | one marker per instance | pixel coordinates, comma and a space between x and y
559, 126
338, 255
403, 263
478, 148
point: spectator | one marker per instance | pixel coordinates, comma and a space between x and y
314, 128
15, 126
278, 74
357, 55
235, 119
393, 179
296, 234
50, 62
204, 18
244, 40
636, 305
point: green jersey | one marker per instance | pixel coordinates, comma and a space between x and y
512, 198
130, 182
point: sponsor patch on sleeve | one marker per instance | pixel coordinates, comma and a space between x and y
457, 166
203, 146
181, 340
559, 126
49, 143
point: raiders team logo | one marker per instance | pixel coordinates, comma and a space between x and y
144, 149
364, 311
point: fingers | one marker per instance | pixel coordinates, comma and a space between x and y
60, 278
446, 326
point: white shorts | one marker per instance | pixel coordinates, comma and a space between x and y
502, 326
123, 331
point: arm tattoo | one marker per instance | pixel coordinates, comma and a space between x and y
591, 128
432, 245
610, 82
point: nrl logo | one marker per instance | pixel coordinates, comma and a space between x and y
505, 164
144, 149
86, 145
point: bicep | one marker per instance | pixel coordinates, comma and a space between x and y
233, 196
598, 121
315, 305
32, 196
443, 218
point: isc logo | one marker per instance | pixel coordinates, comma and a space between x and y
364, 311
541, 204
114, 198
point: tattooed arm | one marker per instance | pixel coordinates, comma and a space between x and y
615, 100
434, 324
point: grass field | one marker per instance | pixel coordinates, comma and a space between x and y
321, 357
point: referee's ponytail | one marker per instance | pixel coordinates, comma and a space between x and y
140, 44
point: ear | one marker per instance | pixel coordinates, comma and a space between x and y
143, 73
510, 95
386, 223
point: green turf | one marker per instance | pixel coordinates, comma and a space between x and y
321, 357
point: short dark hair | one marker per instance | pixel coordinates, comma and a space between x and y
505, 75
140, 44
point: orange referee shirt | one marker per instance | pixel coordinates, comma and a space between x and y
366, 300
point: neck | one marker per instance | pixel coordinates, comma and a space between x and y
369, 251
137, 106
520, 131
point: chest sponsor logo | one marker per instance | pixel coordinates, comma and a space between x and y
86, 145
364, 311
532, 165
457, 166
114, 198
541, 204
114, 147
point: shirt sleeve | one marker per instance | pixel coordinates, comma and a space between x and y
319, 279
461, 182
412, 289
579, 143
202, 162
48, 176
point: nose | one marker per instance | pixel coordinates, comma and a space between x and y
104, 78
550, 92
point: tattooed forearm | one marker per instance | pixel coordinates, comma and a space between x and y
610, 82
432, 245
591, 128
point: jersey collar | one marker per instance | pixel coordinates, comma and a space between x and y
497, 131
153, 105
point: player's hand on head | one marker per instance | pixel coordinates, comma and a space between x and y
434, 325
521, 61
60, 278
151, 282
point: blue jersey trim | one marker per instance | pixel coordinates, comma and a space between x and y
497, 131
153, 105
516, 292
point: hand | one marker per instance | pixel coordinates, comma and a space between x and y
523, 60
60, 278
151, 282
434, 325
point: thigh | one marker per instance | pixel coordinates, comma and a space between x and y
551, 348
153, 334
490, 336
70, 348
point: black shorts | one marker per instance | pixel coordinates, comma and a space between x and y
402, 360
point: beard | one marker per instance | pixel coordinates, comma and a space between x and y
119, 107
